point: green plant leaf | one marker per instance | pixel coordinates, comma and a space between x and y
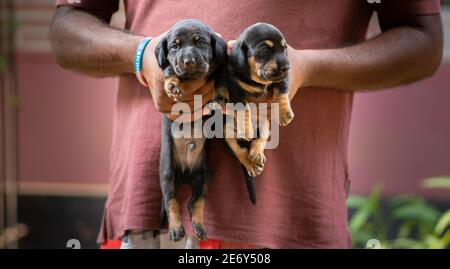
445, 239
406, 243
437, 182
354, 202
422, 214
365, 211
443, 223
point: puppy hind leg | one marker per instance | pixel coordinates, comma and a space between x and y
241, 154
197, 204
256, 151
167, 176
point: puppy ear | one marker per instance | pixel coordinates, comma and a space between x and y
238, 56
161, 52
219, 47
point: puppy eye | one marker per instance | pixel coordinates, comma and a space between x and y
174, 46
264, 50
201, 42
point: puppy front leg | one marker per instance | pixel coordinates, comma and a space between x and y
281, 96
172, 84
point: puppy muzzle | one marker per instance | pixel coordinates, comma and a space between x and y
191, 67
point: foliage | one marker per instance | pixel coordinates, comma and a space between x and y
404, 221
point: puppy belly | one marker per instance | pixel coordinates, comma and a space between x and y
188, 152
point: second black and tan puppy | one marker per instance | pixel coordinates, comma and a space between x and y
189, 50
258, 65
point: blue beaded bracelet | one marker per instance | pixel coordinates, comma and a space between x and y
138, 60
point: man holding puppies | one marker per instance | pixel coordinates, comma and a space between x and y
303, 188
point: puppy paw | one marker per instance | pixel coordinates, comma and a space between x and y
199, 230
177, 233
256, 155
286, 116
172, 86
254, 169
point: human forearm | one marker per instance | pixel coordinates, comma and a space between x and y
397, 56
84, 43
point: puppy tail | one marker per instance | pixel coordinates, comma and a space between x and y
250, 181
163, 215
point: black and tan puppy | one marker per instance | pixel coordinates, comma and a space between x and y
189, 50
258, 65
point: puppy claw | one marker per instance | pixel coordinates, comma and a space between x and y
254, 169
172, 89
176, 234
199, 231
286, 117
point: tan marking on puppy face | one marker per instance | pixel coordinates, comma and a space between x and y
283, 42
196, 38
271, 66
255, 71
269, 43
178, 41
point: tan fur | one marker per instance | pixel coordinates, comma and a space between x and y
172, 84
271, 66
173, 214
187, 151
285, 114
255, 71
256, 152
242, 155
269, 43
197, 211
250, 88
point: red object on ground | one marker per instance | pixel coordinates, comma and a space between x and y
111, 244
209, 244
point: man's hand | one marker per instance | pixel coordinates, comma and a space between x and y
112, 54
155, 79
408, 49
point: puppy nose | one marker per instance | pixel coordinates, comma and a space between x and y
284, 68
190, 62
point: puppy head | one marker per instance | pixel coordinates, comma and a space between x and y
261, 50
192, 49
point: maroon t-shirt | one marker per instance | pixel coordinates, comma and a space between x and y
302, 191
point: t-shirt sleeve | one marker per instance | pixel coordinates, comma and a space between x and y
407, 7
99, 8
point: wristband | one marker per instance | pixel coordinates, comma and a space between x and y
138, 60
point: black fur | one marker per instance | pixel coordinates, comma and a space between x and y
250, 44
195, 41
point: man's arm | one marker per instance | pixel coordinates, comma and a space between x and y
84, 43
409, 49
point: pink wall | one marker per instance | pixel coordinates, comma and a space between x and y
65, 122
401, 136
397, 137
